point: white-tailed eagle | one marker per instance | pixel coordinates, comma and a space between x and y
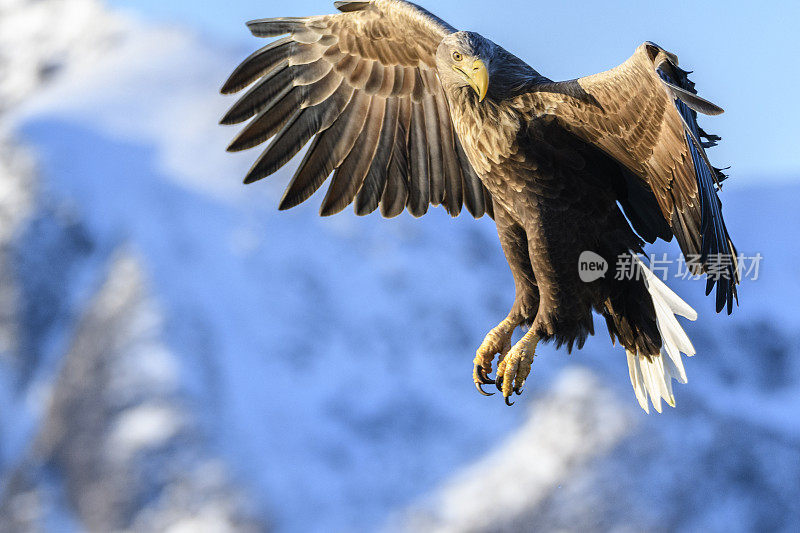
407, 112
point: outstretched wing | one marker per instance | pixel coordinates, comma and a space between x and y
644, 114
363, 84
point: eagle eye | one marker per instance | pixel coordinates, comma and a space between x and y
457, 56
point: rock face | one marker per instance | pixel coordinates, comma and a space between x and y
116, 450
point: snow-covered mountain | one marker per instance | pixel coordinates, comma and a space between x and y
176, 352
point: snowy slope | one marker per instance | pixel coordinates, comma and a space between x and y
331, 359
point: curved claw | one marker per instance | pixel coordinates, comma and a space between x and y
499, 383
481, 374
479, 386
508, 401
518, 391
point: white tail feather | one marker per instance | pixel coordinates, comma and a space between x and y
653, 376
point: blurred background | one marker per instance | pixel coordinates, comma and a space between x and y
177, 355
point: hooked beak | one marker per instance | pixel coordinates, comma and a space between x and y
478, 78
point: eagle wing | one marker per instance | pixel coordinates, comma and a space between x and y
363, 84
644, 115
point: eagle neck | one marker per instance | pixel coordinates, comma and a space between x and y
487, 130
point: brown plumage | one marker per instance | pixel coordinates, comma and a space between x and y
407, 112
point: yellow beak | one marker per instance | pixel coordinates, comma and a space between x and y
478, 78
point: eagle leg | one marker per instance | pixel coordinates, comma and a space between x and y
497, 341
514, 368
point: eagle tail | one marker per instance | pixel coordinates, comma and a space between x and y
652, 374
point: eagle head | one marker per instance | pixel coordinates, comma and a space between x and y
464, 60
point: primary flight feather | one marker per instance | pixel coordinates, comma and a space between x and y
407, 112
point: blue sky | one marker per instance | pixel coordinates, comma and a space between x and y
744, 54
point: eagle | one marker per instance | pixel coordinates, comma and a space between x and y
407, 112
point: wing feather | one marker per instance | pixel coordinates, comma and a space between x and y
473, 187
266, 92
369, 195
418, 180
435, 164
376, 78
453, 182
305, 123
328, 151
275, 27
350, 175
395, 195
361, 73
269, 121
347, 7
489, 202
258, 64
323, 89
